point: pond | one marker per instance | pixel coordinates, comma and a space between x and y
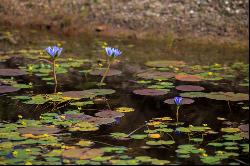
133, 117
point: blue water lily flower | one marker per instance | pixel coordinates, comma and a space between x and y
54, 51
113, 52
178, 100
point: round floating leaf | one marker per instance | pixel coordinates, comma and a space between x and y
139, 136
38, 130
85, 153
100, 72
124, 109
85, 143
119, 135
156, 75
12, 72
76, 116
183, 102
83, 126
160, 142
183, 129
188, 77
244, 127
149, 92
109, 114
165, 63
100, 121
215, 144
78, 94
189, 88
211, 160
228, 96
100, 92
230, 130
8, 89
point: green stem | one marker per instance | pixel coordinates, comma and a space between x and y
54, 70
106, 72
177, 113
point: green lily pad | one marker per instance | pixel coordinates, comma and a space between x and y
83, 126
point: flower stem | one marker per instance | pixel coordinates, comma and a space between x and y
177, 113
54, 71
106, 72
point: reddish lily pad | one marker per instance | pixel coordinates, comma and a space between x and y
156, 75
149, 92
100, 121
77, 116
165, 63
8, 89
100, 72
188, 77
244, 128
183, 102
189, 88
109, 114
12, 72
83, 154
38, 130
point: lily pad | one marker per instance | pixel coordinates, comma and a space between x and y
83, 154
109, 114
78, 94
165, 63
149, 92
7, 89
189, 88
38, 130
12, 72
77, 116
156, 75
230, 130
125, 109
83, 126
184, 101
100, 121
227, 96
100, 72
188, 78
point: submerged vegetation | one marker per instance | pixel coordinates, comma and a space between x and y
60, 111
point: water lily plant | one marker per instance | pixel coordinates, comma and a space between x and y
112, 53
54, 52
177, 101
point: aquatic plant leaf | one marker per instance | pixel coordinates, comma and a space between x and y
109, 114
100, 72
124, 109
230, 130
100, 121
165, 63
79, 117
119, 135
160, 142
184, 101
139, 136
215, 144
83, 126
188, 77
7, 89
12, 72
234, 137
85, 143
211, 160
83, 154
78, 94
38, 130
189, 88
183, 129
156, 75
227, 96
149, 92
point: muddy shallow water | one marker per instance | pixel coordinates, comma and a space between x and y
205, 111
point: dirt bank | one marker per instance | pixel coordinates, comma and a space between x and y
212, 19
